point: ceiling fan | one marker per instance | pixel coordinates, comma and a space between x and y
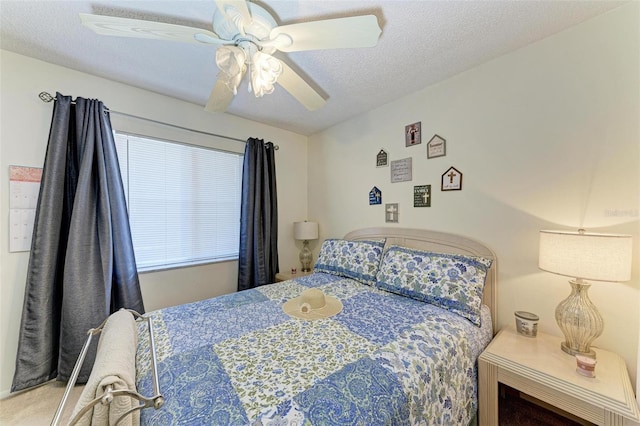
247, 36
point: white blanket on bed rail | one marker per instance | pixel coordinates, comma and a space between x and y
114, 365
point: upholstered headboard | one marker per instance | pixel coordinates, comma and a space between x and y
441, 242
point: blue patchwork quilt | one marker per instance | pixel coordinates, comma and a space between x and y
384, 360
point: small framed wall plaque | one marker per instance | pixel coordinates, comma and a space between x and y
401, 170
436, 147
413, 134
391, 213
375, 196
422, 196
382, 159
451, 180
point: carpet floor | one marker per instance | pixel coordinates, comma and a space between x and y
37, 406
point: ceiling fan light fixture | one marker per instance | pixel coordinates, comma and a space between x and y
264, 73
230, 60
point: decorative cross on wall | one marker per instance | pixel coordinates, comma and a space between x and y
391, 212
422, 196
451, 180
375, 196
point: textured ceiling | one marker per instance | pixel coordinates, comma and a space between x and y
422, 43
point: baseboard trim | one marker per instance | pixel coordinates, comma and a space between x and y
5, 394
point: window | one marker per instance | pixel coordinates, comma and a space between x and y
183, 201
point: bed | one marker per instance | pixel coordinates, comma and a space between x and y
416, 309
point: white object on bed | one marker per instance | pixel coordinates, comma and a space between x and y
114, 366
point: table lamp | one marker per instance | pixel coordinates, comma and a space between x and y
584, 256
305, 231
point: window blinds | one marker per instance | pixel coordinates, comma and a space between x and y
184, 201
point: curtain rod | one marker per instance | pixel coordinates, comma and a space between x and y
46, 97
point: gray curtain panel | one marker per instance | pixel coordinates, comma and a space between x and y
258, 256
82, 267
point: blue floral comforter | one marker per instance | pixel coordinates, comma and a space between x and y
384, 360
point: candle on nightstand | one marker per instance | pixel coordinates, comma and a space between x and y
586, 366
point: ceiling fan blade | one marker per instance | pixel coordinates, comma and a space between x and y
355, 31
240, 6
220, 98
300, 89
125, 27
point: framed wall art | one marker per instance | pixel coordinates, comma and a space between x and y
375, 196
451, 180
401, 170
436, 147
413, 134
422, 196
391, 213
382, 159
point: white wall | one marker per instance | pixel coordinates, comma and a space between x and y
546, 137
24, 129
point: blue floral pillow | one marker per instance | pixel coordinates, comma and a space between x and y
358, 260
450, 281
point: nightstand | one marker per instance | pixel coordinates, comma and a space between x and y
539, 368
284, 276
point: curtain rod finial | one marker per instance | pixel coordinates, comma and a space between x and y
45, 97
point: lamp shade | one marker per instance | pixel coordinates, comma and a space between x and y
305, 230
590, 256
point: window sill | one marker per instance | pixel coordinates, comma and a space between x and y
161, 268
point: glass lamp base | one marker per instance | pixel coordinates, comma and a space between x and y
573, 352
305, 257
579, 320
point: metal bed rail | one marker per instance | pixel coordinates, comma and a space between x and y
156, 401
